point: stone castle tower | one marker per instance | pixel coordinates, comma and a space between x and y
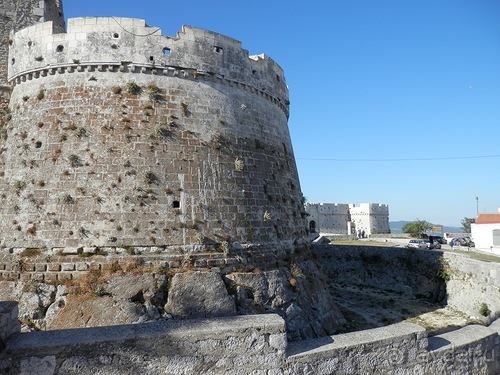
15, 15
120, 136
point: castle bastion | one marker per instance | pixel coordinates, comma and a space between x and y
119, 135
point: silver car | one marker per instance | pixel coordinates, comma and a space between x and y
417, 244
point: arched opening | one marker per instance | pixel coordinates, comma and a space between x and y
312, 226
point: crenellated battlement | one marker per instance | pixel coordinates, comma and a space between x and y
127, 44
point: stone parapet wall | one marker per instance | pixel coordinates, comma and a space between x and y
241, 344
473, 286
359, 352
248, 344
401, 348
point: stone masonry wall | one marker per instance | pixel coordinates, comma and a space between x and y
401, 270
472, 284
20, 14
253, 344
120, 140
464, 283
237, 344
17, 15
65, 264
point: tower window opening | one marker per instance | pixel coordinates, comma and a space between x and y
59, 48
116, 35
151, 58
166, 51
217, 49
176, 204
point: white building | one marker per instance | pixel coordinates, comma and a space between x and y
341, 218
486, 232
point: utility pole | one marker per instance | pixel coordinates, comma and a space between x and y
477, 206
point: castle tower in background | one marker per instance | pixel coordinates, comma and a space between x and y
121, 136
15, 15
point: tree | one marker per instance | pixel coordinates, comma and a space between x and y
416, 228
466, 222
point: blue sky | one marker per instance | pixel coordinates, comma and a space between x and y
392, 101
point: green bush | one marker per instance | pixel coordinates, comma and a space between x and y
484, 310
30, 252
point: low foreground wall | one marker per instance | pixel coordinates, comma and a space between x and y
242, 345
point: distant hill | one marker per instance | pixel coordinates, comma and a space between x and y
397, 225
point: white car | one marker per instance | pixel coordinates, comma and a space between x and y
417, 244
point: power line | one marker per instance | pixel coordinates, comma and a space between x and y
130, 32
402, 159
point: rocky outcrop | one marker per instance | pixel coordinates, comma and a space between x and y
297, 294
122, 299
199, 295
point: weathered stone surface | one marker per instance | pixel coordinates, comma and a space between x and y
122, 299
138, 288
128, 146
38, 366
199, 294
34, 302
9, 322
91, 311
298, 295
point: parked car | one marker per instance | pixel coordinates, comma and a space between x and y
439, 239
434, 245
417, 244
465, 241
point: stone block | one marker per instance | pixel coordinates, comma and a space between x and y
65, 276
50, 277
39, 277
28, 267
54, 267
68, 267
82, 266
40, 267
71, 250
199, 294
24, 276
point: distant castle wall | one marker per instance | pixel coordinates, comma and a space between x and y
122, 136
336, 218
328, 217
370, 217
